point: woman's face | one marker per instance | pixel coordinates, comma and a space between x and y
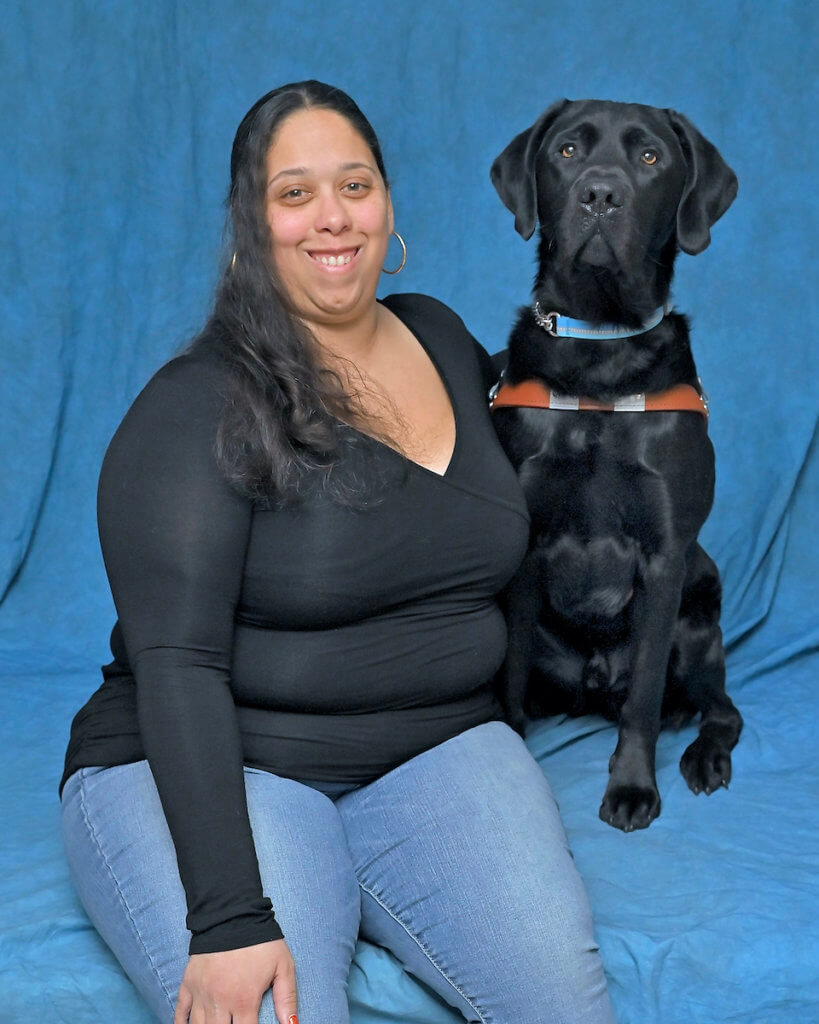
330, 216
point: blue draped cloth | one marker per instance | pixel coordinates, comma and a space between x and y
117, 122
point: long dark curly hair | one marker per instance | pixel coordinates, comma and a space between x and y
286, 417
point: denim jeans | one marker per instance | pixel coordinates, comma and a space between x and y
456, 861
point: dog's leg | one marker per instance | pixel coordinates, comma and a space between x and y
698, 670
522, 602
632, 799
706, 764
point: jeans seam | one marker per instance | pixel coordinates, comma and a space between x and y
95, 839
424, 950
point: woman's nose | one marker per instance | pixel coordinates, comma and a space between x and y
331, 213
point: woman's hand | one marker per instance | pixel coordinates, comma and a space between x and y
220, 988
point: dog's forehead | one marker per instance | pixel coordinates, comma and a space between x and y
609, 116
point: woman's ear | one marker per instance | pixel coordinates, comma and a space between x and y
390, 212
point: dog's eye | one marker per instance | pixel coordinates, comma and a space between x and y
568, 150
649, 156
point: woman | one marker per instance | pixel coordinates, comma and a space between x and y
305, 521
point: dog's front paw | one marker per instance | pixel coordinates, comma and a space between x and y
706, 765
629, 807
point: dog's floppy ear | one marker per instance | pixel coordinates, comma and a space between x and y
513, 172
710, 187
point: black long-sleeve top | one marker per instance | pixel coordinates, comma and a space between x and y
317, 642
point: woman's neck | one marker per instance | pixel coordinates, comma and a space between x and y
354, 342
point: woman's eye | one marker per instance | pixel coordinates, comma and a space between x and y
649, 156
568, 150
293, 193
355, 187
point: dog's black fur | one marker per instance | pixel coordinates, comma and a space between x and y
616, 607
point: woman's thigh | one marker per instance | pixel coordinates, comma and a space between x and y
124, 866
467, 877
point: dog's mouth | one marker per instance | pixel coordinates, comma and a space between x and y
597, 251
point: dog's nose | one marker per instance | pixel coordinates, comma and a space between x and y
601, 196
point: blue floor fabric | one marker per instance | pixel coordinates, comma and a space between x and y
118, 120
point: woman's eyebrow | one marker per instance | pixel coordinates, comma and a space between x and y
288, 171
353, 165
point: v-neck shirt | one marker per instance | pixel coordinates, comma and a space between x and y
317, 641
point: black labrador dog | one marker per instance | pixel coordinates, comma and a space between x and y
616, 607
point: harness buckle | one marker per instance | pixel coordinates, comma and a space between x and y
706, 401
493, 391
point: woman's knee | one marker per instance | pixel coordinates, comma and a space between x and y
498, 974
554, 971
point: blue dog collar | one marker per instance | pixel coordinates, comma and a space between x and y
560, 326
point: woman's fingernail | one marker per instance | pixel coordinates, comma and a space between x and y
293, 1019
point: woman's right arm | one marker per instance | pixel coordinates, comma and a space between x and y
174, 537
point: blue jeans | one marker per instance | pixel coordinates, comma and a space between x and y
456, 861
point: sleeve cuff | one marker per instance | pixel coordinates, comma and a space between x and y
236, 934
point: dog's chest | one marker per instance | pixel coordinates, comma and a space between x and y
596, 473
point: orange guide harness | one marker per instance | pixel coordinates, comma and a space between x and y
534, 394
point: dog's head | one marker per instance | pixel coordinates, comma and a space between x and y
614, 186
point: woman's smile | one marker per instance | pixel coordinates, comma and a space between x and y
336, 259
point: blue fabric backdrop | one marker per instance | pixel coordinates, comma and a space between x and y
117, 120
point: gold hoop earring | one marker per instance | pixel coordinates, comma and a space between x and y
233, 261
403, 256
